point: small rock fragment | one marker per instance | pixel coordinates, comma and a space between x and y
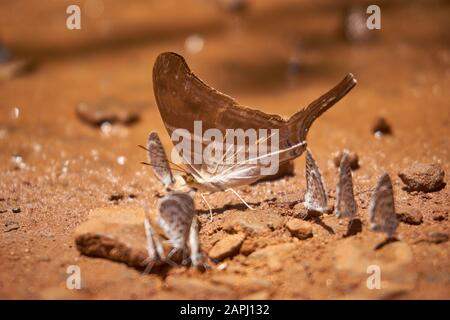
440, 215
116, 197
234, 6
437, 237
252, 222
354, 227
249, 246
16, 210
352, 157
423, 177
114, 233
381, 127
411, 216
227, 246
11, 225
16, 68
299, 228
109, 111
289, 200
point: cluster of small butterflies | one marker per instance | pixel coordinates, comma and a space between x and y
182, 99
382, 215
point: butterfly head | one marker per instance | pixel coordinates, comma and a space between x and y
191, 182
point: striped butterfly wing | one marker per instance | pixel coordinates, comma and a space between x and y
382, 208
158, 160
175, 214
315, 197
183, 98
345, 199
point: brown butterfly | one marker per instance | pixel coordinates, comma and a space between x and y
183, 98
382, 208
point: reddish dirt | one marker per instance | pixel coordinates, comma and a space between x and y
70, 168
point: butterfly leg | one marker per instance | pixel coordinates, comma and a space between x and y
196, 255
210, 209
154, 248
168, 259
240, 198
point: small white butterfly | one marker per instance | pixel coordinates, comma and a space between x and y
176, 211
315, 197
382, 215
345, 199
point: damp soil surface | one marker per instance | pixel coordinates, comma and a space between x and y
277, 57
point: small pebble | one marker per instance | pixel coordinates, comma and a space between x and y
437, 237
109, 110
15, 68
423, 177
234, 6
354, 227
381, 127
440, 215
411, 216
18, 161
116, 197
11, 225
227, 246
352, 156
299, 228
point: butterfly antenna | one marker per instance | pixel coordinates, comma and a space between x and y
180, 168
156, 166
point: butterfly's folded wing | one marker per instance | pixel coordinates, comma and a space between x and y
345, 199
175, 214
158, 159
315, 197
382, 209
183, 98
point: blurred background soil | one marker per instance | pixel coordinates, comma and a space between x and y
276, 56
